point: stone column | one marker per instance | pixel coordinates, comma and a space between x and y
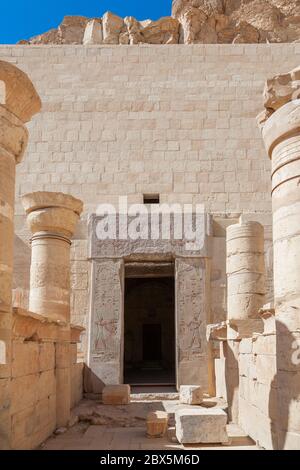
245, 270
281, 134
245, 296
52, 218
192, 316
106, 335
18, 103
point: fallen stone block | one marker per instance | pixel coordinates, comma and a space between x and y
157, 424
116, 395
191, 394
195, 426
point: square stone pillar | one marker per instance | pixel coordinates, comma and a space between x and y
106, 329
192, 315
18, 103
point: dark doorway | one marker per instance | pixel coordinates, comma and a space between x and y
152, 342
149, 332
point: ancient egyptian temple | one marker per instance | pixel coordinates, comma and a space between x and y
150, 226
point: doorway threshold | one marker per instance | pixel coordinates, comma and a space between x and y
154, 392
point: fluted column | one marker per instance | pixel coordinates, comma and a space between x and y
52, 218
281, 134
245, 270
18, 103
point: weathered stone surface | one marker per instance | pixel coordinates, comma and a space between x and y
244, 21
191, 394
116, 394
112, 28
192, 305
163, 31
194, 426
134, 31
217, 332
70, 31
245, 270
281, 89
18, 93
106, 316
25, 358
200, 21
281, 136
157, 424
93, 33
52, 218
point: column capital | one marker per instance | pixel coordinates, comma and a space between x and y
281, 118
281, 125
51, 214
18, 103
17, 93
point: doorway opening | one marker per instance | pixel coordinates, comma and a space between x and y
149, 331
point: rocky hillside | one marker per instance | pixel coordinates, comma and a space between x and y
238, 21
192, 22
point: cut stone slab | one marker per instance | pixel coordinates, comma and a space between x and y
195, 426
191, 394
116, 395
157, 423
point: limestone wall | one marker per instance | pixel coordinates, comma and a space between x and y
39, 353
178, 120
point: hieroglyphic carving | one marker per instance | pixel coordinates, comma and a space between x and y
191, 310
107, 311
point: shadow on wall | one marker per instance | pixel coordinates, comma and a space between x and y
92, 385
232, 379
284, 398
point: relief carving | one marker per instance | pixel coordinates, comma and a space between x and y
107, 308
191, 309
55, 275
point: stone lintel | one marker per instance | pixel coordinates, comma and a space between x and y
150, 269
162, 249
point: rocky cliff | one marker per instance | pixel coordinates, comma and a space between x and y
238, 21
192, 22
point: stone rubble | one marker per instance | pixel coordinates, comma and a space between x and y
191, 394
195, 426
157, 424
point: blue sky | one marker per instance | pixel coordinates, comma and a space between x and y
21, 19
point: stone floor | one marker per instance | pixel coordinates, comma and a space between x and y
105, 427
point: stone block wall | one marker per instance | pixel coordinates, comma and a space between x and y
257, 387
38, 356
178, 120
